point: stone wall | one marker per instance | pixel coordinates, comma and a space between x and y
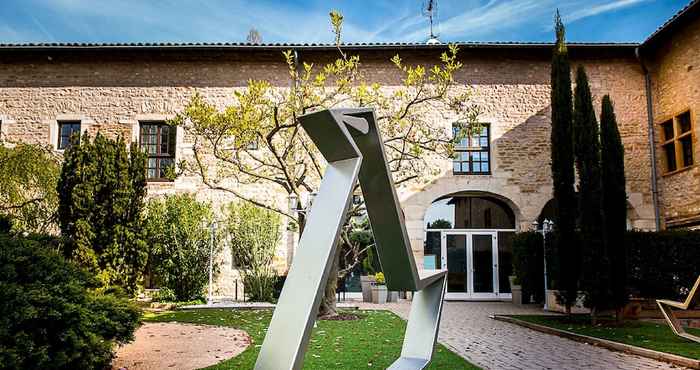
112, 91
675, 75
515, 97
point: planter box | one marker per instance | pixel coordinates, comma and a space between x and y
517, 293
392, 296
554, 306
379, 293
366, 283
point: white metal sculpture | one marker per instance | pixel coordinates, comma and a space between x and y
350, 141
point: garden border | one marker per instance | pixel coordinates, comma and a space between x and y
611, 345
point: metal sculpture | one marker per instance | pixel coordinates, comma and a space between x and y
349, 139
691, 301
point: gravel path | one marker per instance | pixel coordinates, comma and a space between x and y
180, 346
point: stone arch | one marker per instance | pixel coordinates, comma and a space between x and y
548, 210
479, 210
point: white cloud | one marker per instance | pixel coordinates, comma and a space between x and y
600, 9
488, 18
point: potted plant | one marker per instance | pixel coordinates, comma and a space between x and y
516, 289
379, 291
370, 267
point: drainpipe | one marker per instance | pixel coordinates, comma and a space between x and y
652, 139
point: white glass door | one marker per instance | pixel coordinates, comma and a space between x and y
471, 261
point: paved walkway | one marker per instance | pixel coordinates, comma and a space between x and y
467, 329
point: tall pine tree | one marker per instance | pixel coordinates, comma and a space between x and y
101, 199
614, 202
563, 170
587, 150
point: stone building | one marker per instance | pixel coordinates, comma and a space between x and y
463, 219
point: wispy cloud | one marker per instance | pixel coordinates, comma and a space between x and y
307, 21
600, 9
489, 17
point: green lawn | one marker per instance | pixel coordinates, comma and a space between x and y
658, 337
374, 341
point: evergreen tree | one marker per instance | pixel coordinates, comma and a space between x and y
101, 199
563, 170
587, 151
614, 202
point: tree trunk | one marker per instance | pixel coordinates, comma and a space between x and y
594, 316
328, 307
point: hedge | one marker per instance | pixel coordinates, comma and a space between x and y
50, 316
661, 264
528, 264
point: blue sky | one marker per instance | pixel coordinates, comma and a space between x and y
307, 21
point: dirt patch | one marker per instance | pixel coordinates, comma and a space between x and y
180, 346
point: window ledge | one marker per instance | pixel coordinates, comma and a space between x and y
680, 170
471, 173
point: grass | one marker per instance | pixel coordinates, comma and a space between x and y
658, 337
372, 342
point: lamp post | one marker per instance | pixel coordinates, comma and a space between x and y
212, 227
547, 226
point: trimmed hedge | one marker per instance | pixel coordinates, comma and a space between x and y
528, 264
663, 264
660, 265
50, 318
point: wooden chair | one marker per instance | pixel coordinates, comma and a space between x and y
692, 300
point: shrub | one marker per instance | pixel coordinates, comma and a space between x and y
179, 241
101, 192
661, 264
528, 263
50, 315
164, 294
28, 198
254, 233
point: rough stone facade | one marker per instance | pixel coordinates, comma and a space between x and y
675, 77
112, 90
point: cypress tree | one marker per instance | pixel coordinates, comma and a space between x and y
614, 202
563, 170
101, 199
587, 150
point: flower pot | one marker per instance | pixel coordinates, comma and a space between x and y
366, 283
515, 290
379, 293
392, 296
554, 306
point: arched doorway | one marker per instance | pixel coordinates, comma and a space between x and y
470, 235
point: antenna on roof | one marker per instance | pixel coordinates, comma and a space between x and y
430, 10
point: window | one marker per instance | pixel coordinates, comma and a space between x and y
157, 139
677, 142
66, 129
472, 153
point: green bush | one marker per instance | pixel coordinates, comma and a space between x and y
662, 264
164, 294
101, 193
528, 263
28, 177
254, 233
51, 316
179, 238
